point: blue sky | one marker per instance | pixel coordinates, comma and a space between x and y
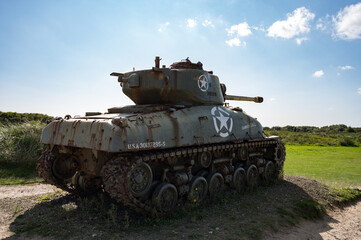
303, 57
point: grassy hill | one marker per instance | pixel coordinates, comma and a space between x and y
14, 117
20, 147
334, 135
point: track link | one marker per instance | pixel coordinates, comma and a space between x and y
116, 172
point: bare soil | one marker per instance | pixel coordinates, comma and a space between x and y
340, 224
17, 198
19, 191
264, 214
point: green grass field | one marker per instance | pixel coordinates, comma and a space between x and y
12, 173
335, 166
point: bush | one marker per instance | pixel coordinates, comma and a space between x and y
14, 117
347, 142
20, 142
334, 135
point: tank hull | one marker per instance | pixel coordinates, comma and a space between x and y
172, 128
151, 153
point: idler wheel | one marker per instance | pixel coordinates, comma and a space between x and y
140, 179
45, 168
165, 197
279, 151
64, 167
252, 177
215, 184
198, 190
205, 159
270, 172
239, 179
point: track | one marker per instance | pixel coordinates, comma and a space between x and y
116, 172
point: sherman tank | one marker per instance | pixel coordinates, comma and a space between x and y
180, 142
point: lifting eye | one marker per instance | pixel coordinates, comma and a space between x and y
121, 122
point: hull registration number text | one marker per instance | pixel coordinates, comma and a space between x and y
146, 145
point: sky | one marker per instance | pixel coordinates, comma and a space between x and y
303, 57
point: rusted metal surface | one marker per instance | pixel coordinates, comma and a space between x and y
242, 98
180, 179
179, 138
186, 64
164, 129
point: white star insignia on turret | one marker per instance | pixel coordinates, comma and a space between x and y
203, 83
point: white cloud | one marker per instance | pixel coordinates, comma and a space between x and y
300, 40
347, 67
191, 23
163, 26
347, 23
272, 99
207, 23
320, 26
318, 74
260, 28
359, 91
324, 23
297, 23
241, 30
236, 42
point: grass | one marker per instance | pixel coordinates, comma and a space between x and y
309, 209
344, 195
20, 142
19, 150
334, 166
337, 166
12, 173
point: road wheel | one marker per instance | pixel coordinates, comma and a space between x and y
252, 177
165, 198
198, 190
239, 179
215, 185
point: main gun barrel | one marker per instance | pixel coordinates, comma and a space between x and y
242, 98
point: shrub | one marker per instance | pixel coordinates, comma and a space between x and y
14, 117
20, 142
348, 142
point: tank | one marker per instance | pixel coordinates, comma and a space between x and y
180, 142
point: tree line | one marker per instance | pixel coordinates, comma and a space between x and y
14, 117
337, 128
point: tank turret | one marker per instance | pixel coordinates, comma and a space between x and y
183, 83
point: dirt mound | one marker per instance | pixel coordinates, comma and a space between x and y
270, 212
340, 224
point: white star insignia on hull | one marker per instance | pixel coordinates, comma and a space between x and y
222, 122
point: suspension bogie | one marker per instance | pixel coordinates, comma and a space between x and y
158, 180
